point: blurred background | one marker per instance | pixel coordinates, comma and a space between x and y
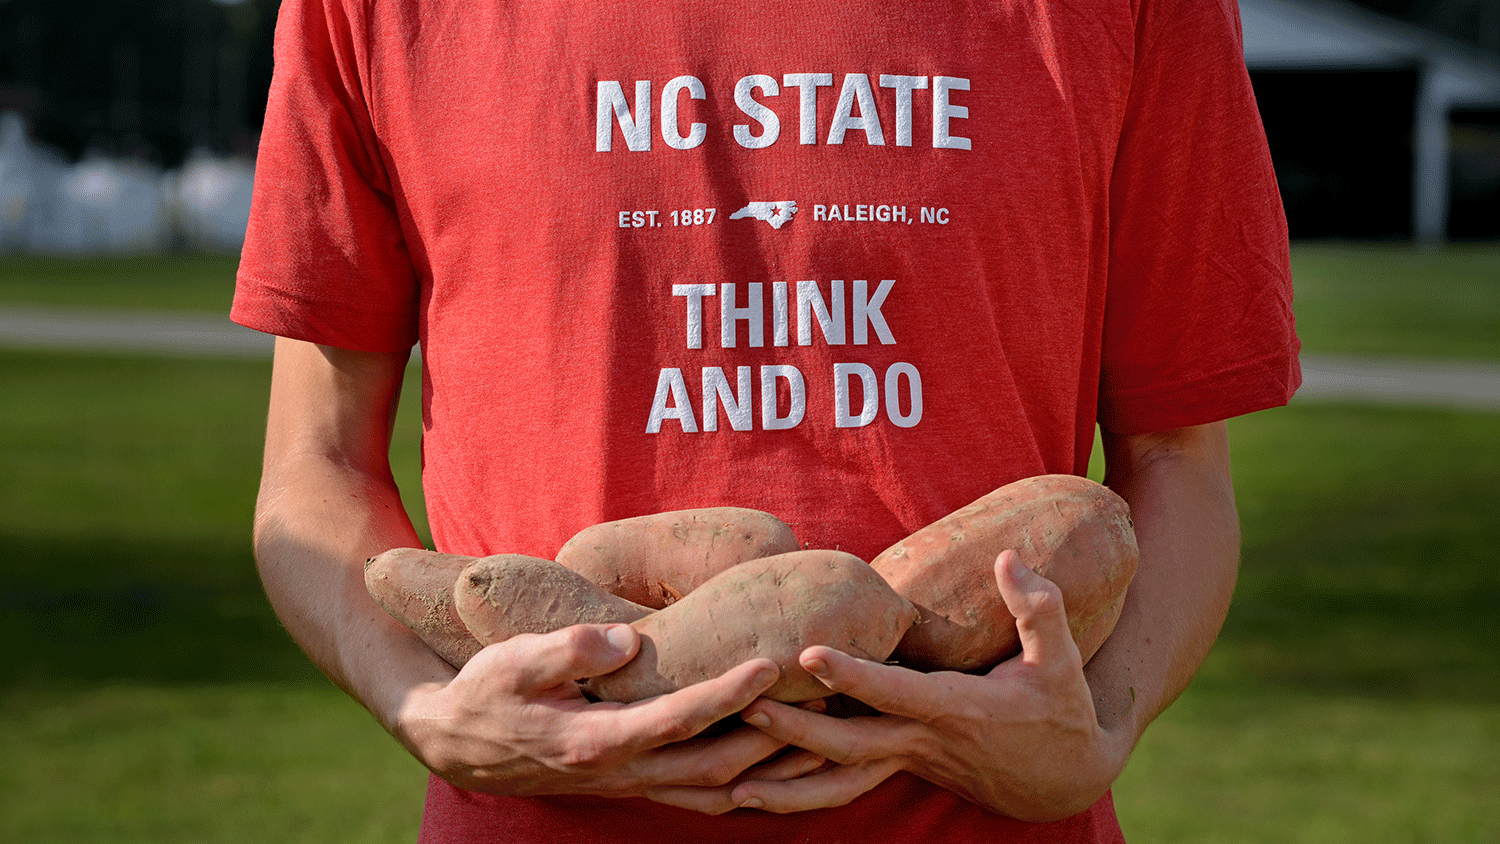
147, 692
131, 125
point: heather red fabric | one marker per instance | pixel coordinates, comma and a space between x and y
855, 264
913, 813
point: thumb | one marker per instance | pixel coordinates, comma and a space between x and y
1037, 604
572, 653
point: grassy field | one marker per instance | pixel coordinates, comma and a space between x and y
1391, 299
1354, 695
134, 282
150, 696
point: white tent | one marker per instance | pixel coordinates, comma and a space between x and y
99, 205
210, 199
119, 204
103, 205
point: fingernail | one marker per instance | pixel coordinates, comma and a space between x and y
816, 666
1018, 569
620, 637
758, 719
767, 676
752, 803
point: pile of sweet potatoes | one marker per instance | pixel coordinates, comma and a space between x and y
708, 589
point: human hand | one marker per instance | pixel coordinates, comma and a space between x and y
1022, 740
514, 722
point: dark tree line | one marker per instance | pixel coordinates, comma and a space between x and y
155, 78
147, 78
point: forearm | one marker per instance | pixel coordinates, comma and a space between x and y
1182, 502
316, 524
513, 721
517, 724
327, 503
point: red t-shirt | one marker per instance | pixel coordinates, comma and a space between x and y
854, 264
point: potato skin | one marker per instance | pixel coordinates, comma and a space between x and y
771, 607
416, 587
1072, 531
504, 595
655, 560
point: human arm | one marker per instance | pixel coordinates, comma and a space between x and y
1040, 737
512, 721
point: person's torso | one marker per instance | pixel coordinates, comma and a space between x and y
839, 261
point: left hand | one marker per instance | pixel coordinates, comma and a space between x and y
1022, 740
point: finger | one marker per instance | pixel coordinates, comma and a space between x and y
798, 763
540, 662
1037, 604
834, 787
709, 801
685, 713
817, 704
888, 688
621, 762
706, 762
843, 740
717, 800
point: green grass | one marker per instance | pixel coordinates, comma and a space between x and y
126, 488
135, 282
149, 695
291, 763
1354, 694
1395, 300
144, 668
1291, 768
1389, 541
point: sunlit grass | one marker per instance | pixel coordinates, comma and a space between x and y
152, 282
228, 762
1392, 299
1296, 768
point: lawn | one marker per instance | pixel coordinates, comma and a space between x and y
134, 282
146, 672
1354, 695
149, 694
1391, 299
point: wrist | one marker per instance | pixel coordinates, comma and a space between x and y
416, 722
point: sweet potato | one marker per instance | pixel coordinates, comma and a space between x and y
1070, 530
502, 596
416, 587
771, 607
655, 560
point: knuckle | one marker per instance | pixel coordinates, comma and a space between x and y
575, 636
715, 773
848, 750
1047, 597
1046, 601
566, 642
583, 756
677, 727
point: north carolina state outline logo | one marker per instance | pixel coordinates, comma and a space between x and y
777, 214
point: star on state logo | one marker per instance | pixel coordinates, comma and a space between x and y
777, 214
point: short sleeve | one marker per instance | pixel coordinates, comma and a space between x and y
324, 257
1198, 315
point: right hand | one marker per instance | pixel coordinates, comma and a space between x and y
514, 722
